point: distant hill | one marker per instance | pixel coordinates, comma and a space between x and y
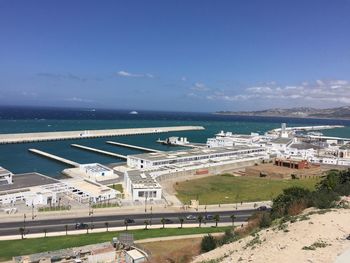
299, 112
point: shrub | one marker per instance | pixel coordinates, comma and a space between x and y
228, 237
208, 243
265, 220
324, 198
291, 197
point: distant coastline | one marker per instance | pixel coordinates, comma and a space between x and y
340, 113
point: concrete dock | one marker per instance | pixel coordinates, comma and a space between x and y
54, 157
66, 135
99, 151
133, 146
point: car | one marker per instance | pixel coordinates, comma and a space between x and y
81, 226
129, 220
209, 217
168, 221
262, 208
191, 217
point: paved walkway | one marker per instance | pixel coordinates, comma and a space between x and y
74, 213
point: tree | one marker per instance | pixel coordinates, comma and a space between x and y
217, 219
66, 228
22, 232
233, 217
208, 243
126, 224
107, 225
147, 223
181, 219
163, 222
200, 219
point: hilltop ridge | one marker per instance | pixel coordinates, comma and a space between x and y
297, 112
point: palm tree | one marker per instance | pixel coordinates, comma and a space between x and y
146, 224
66, 228
45, 232
107, 225
181, 221
200, 219
217, 219
163, 222
126, 224
233, 217
22, 232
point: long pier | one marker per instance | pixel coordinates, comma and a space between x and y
54, 157
133, 146
83, 134
99, 151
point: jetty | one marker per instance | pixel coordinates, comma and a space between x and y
133, 147
99, 151
84, 134
54, 157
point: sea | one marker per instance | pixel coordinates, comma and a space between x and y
17, 158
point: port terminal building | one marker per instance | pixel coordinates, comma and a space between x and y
153, 160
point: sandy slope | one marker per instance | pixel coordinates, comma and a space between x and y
280, 246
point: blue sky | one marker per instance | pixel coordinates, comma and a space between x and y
175, 55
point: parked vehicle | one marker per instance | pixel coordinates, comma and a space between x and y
209, 217
262, 208
191, 217
129, 220
81, 226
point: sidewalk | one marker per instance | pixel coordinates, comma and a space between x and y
129, 211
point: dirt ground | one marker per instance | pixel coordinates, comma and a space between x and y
175, 251
274, 171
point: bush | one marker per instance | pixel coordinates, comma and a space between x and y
265, 220
208, 243
283, 203
228, 237
324, 199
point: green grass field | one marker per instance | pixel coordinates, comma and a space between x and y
11, 248
117, 187
226, 189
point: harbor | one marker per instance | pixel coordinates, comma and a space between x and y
99, 151
84, 134
133, 146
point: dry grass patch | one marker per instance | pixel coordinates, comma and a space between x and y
173, 251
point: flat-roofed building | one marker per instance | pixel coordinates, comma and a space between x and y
5, 176
153, 160
97, 172
142, 186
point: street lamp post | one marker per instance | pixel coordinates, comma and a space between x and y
33, 211
24, 223
146, 202
151, 216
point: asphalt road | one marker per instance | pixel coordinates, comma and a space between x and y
53, 225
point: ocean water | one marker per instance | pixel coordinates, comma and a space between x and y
16, 157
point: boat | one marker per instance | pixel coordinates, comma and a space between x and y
133, 112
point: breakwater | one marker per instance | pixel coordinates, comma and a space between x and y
66, 135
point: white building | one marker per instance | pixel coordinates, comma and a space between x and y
142, 186
154, 160
5, 176
97, 172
